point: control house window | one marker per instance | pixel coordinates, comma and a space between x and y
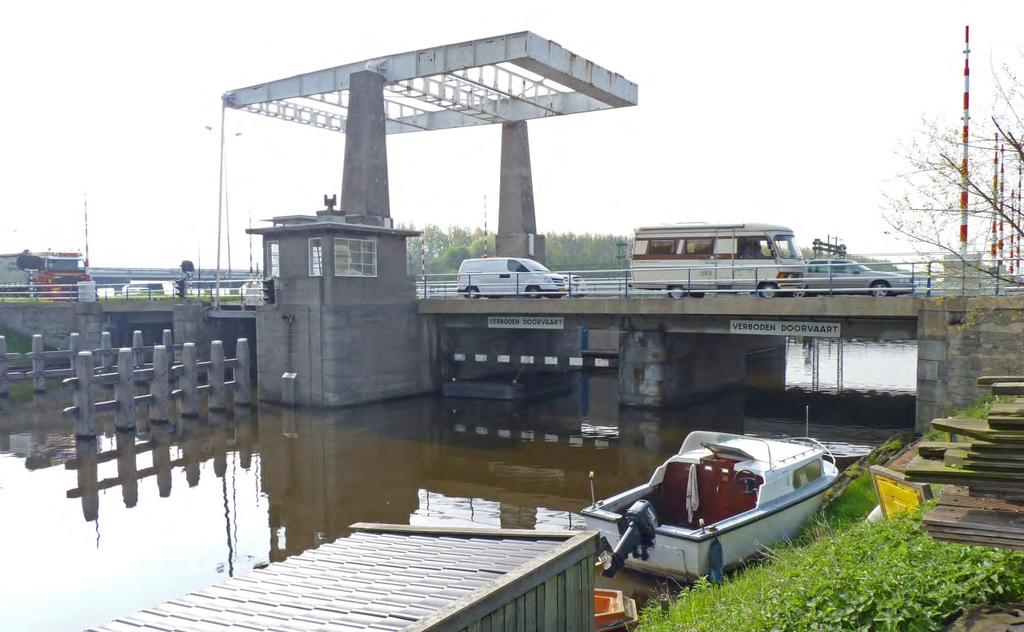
355, 257
274, 259
315, 257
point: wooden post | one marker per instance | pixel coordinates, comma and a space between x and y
74, 346
38, 381
137, 351
188, 404
215, 376
85, 423
243, 379
106, 348
3, 366
124, 390
160, 386
167, 340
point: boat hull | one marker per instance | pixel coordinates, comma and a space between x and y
682, 554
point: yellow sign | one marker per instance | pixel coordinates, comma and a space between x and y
896, 495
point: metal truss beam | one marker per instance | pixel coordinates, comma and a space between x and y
468, 84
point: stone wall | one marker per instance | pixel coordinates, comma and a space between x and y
54, 321
960, 340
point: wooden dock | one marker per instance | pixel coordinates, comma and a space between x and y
398, 577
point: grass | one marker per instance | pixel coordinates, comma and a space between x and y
16, 343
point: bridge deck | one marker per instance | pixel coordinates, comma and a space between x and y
846, 307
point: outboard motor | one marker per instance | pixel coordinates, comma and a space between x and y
637, 536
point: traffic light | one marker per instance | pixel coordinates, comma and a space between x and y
180, 289
269, 293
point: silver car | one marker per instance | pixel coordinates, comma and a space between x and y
843, 276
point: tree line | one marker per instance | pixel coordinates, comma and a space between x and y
444, 248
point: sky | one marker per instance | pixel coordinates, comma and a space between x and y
793, 113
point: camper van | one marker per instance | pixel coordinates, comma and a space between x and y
691, 259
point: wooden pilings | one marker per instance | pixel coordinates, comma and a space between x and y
38, 381
160, 375
160, 385
188, 405
124, 390
241, 374
107, 350
85, 424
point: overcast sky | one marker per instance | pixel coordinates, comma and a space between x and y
791, 113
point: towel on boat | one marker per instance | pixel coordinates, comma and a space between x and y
692, 497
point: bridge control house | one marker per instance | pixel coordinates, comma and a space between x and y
344, 314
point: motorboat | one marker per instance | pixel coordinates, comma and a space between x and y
714, 504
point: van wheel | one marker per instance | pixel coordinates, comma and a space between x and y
533, 291
767, 290
676, 291
472, 292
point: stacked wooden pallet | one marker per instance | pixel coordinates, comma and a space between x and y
987, 460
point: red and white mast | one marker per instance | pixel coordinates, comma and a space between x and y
1002, 204
995, 198
963, 163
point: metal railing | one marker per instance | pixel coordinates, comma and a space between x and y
245, 294
900, 278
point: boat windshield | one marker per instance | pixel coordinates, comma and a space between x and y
766, 451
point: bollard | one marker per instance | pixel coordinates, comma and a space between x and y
188, 404
38, 381
215, 376
85, 424
137, 350
243, 380
124, 390
160, 386
3, 366
107, 350
74, 346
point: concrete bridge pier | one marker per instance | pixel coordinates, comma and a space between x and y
659, 369
517, 222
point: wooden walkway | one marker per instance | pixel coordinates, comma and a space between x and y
396, 577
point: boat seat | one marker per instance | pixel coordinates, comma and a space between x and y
720, 497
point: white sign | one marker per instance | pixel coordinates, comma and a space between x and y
525, 322
809, 329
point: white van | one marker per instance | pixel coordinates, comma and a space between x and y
696, 258
508, 276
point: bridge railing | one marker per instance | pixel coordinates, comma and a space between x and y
927, 277
246, 293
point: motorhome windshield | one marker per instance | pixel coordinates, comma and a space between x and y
786, 247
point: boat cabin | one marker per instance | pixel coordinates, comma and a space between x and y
733, 474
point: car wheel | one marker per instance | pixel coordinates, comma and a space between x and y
880, 288
799, 293
676, 291
472, 292
767, 290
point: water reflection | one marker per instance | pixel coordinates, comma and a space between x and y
178, 505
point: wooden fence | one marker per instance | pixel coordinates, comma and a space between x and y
160, 376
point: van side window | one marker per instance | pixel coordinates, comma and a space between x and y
662, 247
700, 246
754, 248
515, 266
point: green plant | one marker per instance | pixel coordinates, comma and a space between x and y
859, 576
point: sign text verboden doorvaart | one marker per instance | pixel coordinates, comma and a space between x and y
525, 322
808, 329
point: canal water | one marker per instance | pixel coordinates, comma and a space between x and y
89, 535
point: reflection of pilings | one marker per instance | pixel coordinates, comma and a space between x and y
190, 449
246, 427
85, 450
162, 458
218, 442
127, 469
